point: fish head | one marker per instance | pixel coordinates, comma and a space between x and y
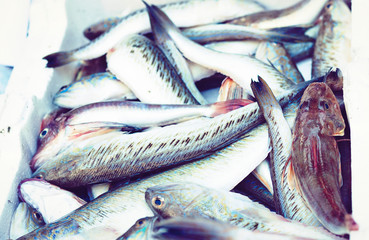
337, 11
334, 79
173, 200
142, 229
319, 108
49, 200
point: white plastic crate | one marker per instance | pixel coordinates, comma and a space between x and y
58, 25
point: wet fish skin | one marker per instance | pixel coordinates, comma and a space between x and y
288, 203
193, 200
49, 200
301, 13
145, 69
25, 219
138, 21
315, 157
93, 88
240, 68
142, 229
333, 44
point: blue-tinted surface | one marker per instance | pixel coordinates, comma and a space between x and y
5, 72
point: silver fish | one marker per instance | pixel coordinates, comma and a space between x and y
193, 200
49, 200
333, 44
301, 13
138, 21
221, 32
240, 68
144, 68
289, 202
25, 219
93, 88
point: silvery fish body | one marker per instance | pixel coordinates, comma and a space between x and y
204, 12
333, 44
301, 13
94, 88
144, 68
193, 200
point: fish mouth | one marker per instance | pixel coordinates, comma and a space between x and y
339, 133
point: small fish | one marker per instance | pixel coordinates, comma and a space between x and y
193, 200
276, 55
93, 88
301, 13
202, 228
240, 68
315, 159
289, 203
25, 219
138, 21
333, 44
222, 32
145, 69
49, 200
143, 229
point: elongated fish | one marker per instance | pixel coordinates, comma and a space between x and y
49, 200
240, 68
178, 61
333, 44
144, 68
193, 200
93, 88
276, 55
143, 229
301, 13
203, 12
25, 219
315, 159
202, 228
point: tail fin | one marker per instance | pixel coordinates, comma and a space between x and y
288, 34
59, 59
264, 95
350, 223
227, 106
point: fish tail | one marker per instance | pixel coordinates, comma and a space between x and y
350, 223
160, 21
289, 34
264, 95
227, 106
59, 59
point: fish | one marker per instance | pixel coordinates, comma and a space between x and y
193, 200
178, 62
303, 12
256, 191
289, 203
25, 219
142, 229
333, 44
138, 21
221, 32
93, 88
315, 169
202, 228
240, 68
144, 68
229, 89
49, 200
276, 55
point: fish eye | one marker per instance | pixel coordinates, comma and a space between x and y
40, 176
44, 132
140, 222
326, 106
37, 217
63, 88
329, 5
158, 202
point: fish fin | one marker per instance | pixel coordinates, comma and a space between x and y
290, 174
350, 223
264, 95
58, 59
296, 33
231, 90
340, 179
227, 106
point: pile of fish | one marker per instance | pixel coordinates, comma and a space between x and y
133, 149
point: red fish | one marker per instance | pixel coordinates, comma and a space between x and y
315, 158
